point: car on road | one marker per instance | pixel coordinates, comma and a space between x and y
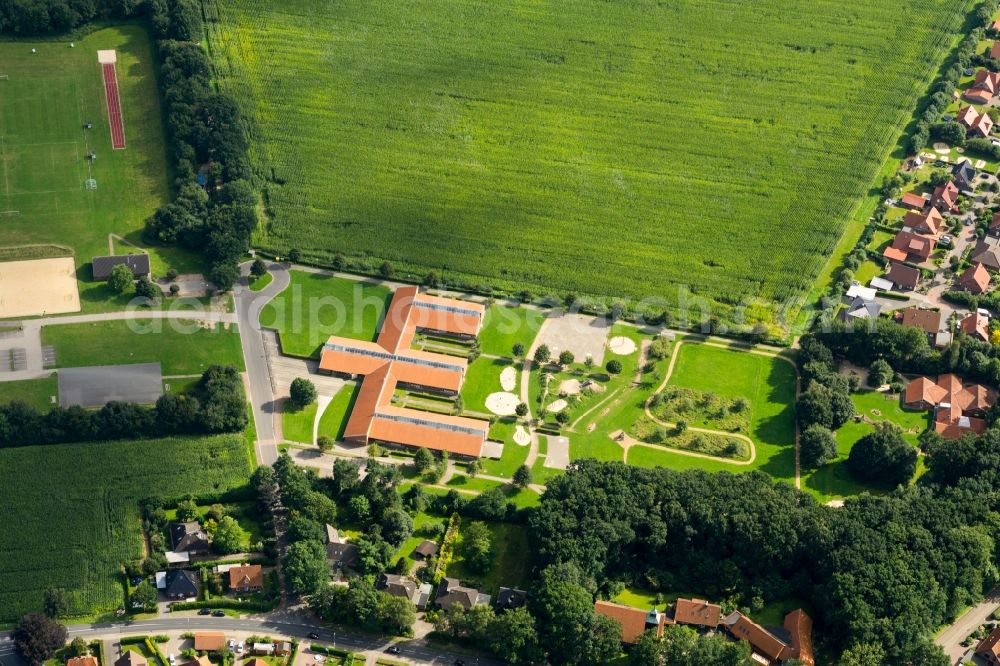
313, 635
218, 613
392, 649
172, 659
205, 611
945, 240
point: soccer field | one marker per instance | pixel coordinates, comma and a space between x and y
45, 101
617, 149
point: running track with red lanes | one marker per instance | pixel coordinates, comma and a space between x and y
114, 106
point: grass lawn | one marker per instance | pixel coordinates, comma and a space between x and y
866, 271
182, 347
36, 392
316, 306
509, 567
297, 424
88, 494
481, 379
539, 472
258, 283
514, 454
43, 105
505, 326
422, 523
769, 385
532, 148
335, 416
833, 480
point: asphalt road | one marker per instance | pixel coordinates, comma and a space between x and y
950, 639
248, 307
414, 651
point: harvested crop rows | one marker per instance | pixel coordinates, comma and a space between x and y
607, 148
71, 514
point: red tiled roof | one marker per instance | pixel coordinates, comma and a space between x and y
929, 222
246, 576
923, 389
957, 406
390, 361
632, 620
995, 51
946, 194
208, 641
892, 254
928, 320
911, 243
762, 640
967, 116
975, 279
799, 625
697, 611
976, 325
81, 661
990, 646
913, 200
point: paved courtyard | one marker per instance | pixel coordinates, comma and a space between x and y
581, 334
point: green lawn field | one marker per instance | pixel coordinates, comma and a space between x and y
44, 103
481, 379
297, 424
509, 566
186, 350
316, 306
336, 414
71, 512
578, 144
36, 392
504, 327
833, 480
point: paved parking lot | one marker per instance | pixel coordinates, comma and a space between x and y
580, 334
95, 386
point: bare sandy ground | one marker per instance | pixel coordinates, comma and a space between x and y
38, 286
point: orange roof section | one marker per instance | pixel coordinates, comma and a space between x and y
390, 361
209, 640
800, 625
697, 611
762, 640
924, 390
632, 620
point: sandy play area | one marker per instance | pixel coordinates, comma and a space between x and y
557, 406
569, 387
38, 286
508, 378
521, 436
502, 404
621, 345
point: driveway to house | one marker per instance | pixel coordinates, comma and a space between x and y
950, 639
262, 399
290, 624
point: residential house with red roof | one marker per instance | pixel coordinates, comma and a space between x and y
930, 223
793, 640
995, 51
989, 648
976, 326
908, 246
958, 408
913, 201
977, 124
975, 279
246, 578
903, 276
985, 87
945, 197
634, 621
697, 612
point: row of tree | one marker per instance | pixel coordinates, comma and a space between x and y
170, 19
215, 404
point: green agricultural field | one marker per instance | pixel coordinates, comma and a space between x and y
316, 306
182, 347
71, 512
44, 103
36, 392
618, 149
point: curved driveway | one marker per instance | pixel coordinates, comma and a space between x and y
248, 306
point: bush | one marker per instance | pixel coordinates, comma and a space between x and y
614, 366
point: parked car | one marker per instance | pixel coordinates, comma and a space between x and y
392, 649
205, 611
218, 613
239, 647
172, 659
313, 635
232, 645
945, 240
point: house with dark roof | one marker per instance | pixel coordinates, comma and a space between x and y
989, 648
963, 174
634, 622
137, 263
987, 252
182, 584
425, 549
860, 310
339, 553
975, 279
509, 598
188, 538
450, 592
945, 197
903, 277
397, 586
913, 201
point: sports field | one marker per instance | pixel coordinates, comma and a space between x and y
71, 514
44, 103
606, 148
